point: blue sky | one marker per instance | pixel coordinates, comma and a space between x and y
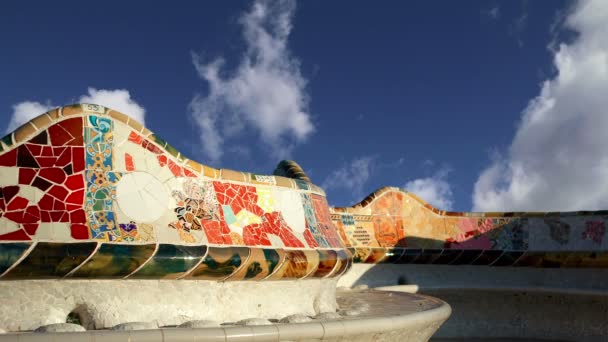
428, 95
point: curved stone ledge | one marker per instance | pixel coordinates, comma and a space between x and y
28, 304
503, 302
389, 316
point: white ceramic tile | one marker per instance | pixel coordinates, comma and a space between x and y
142, 197
9, 175
289, 203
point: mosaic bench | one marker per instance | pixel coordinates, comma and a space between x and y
392, 226
89, 195
86, 192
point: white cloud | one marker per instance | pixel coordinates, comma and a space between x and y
558, 159
118, 99
24, 112
434, 190
264, 95
351, 176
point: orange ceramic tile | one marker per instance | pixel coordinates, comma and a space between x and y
232, 175
119, 116
42, 121
71, 110
210, 172
194, 166
135, 125
23, 133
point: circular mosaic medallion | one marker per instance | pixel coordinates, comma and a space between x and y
142, 197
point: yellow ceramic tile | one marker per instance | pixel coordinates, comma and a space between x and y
233, 175
285, 182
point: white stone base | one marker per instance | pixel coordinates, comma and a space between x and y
28, 304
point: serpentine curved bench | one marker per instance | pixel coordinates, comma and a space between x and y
506, 275
103, 222
87, 194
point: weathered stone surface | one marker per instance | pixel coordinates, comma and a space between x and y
106, 303
254, 321
324, 316
295, 318
60, 327
135, 326
201, 323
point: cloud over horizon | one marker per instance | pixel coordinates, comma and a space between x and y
265, 95
558, 160
117, 99
435, 189
352, 175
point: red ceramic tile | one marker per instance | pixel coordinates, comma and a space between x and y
9, 158
18, 203
75, 182
46, 161
67, 132
136, 138
151, 147
53, 174
162, 160
26, 176
15, 216
59, 192
46, 202
78, 141
175, 169
56, 215
45, 216
30, 228
312, 243
78, 216
58, 205
72, 207
79, 231
58, 151
35, 149
64, 158
33, 211
189, 173
129, 162
213, 232
47, 151
76, 197
8, 192
18, 235
78, 159
59, 136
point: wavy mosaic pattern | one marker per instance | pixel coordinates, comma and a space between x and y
86, 192
392, 226
86, 172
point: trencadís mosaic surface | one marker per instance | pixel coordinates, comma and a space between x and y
86, 192
391, 226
